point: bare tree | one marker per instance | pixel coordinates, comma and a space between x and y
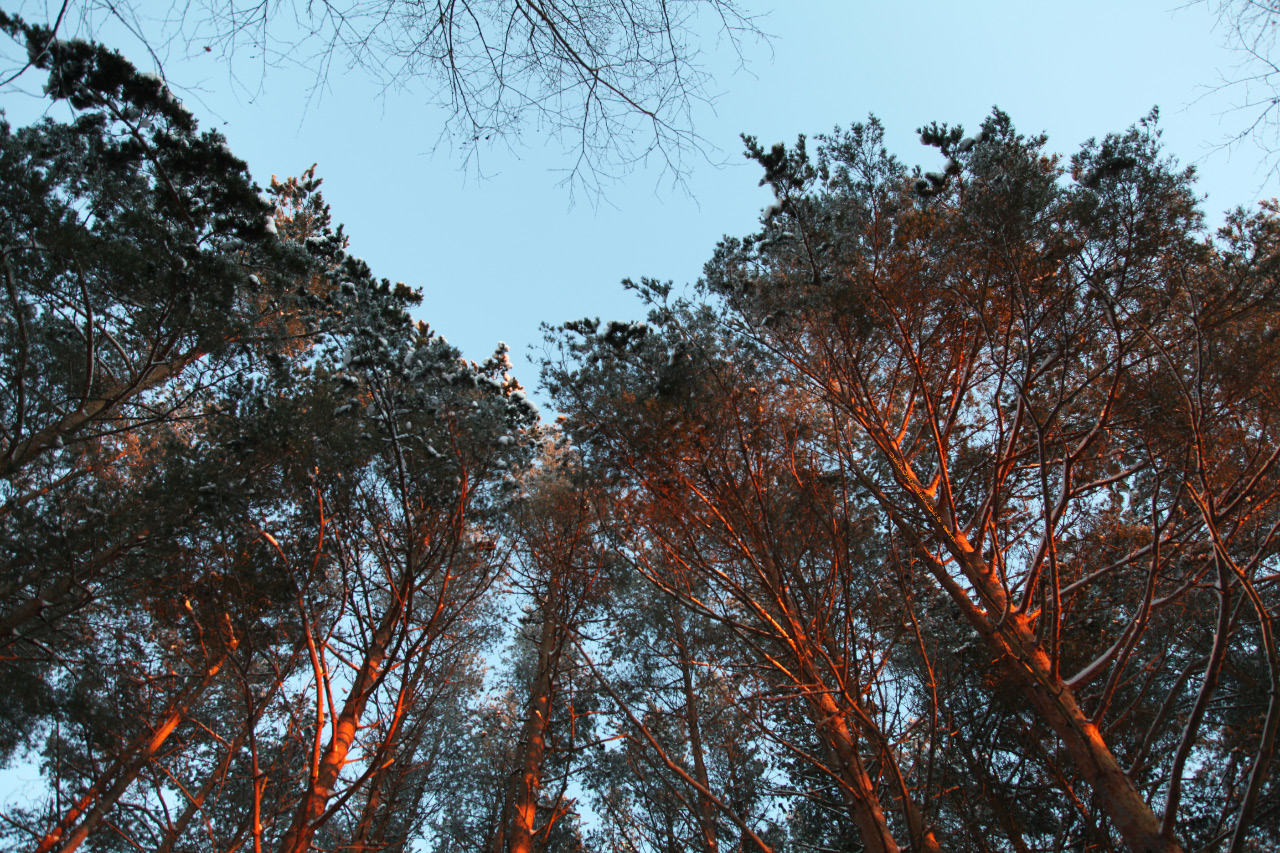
615, 83
1248, 28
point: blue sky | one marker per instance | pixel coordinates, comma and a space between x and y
498, 254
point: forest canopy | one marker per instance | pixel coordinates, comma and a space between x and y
940, 514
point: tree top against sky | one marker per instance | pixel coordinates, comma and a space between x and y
494, 246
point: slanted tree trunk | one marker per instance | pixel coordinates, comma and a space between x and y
832, 724
90, 809
19, 452
386, 777
1019, 653
70, 585
196, 803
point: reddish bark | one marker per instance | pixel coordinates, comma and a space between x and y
93, 806
1012, 638
311, 808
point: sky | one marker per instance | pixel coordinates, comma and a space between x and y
496, 254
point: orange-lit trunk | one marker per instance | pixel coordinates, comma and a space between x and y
1011, 635
832, 723
520, 812
1024, 660
858, 791
386, 758
112, 784
392, 793
529, 782
336, 754
1127, 808
197, 801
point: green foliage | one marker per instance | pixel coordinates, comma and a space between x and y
930, 475
1054, 367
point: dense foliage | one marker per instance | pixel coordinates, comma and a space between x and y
941, 514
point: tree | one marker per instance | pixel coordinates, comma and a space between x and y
561, 571
1049, 394
725, 504
221, 475
616, 84
942, 514
141, 277
1250, 31
1014, 355
143, 283
409, 542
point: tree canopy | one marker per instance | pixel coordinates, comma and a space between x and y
940, 514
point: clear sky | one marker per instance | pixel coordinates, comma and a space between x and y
497, 255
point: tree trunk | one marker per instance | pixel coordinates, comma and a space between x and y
22, 451
179, 826
1012, 637
519, 814
312, 807
360, 839
56, 591
112, 784
706, 809
858, 792
831, 720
